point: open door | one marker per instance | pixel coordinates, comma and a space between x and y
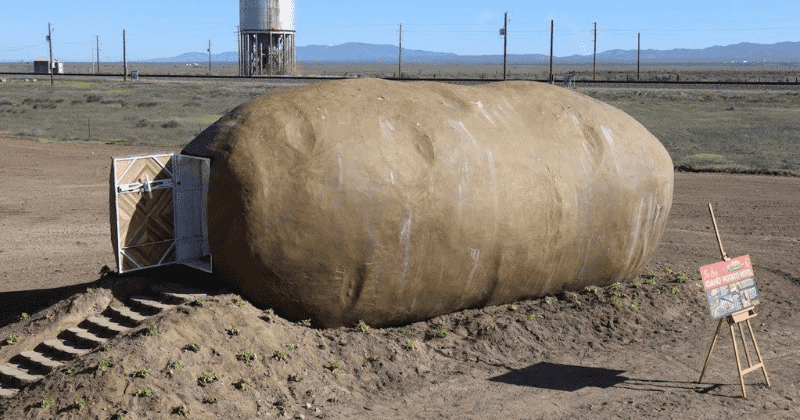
159, 211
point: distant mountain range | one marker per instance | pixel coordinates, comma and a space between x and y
782, 52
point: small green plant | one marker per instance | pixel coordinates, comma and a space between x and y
152, 329
80, 402
291, 347
106, 346
12, 339
441, 323
199, 302
269, 314
238, 301
512, 307
615, 300
178, 366
103, 365
296, 377
193, 347
657, 292
410, 345
333, 367
373, 358
234, 331
575, 298
636, 283
245, 357
210, 400
441, 333
535, 315
48, 403
280, 356
676, 291
90, 291
242, 383
207, 378
636, 304
666, 269
70, 370
342, 342
364, 327
24, 316
404, 330
306, 322
591, 288
616, 286
142, 373
681, 277
549, 300
651, 277
49, 314
323, 344
145, 392
492, 326
183, 410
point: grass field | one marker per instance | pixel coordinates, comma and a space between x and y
718, 130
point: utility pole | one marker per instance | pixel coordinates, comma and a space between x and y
50, 41
400, 54
209, 56
505, 44
239, 40
551, 51
638, 52
594, 59
124, 58
98, 54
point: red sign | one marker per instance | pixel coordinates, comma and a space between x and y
724, 272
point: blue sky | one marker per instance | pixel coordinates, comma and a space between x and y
168, 28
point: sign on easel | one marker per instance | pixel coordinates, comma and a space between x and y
731, 291
730, 286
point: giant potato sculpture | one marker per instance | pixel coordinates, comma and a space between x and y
394, 202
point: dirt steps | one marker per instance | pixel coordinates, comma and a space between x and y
31, 366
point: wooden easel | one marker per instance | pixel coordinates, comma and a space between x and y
736, 319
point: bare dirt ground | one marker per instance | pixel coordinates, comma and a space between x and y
575, 357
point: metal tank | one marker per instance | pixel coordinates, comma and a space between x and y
266, 37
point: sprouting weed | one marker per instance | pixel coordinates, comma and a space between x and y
441, 333
183, 410
535, 315
145, 392
591, 288
492, 326
616, 286
296, 377
651, 276
70, 370
103, 365
657, 292
373, 358
550, 300
152, 329
342, 342
615, 300
234, 331
323, 344
12, 339
80, 402
333, 367
142, 373
238, 301
242, 383
676, 291
441, 322
652, 280
636, 283
245, 357
636, 304
193, 347
512, 307
280, 356
291, 347
410, 345
269, 314
199, 302
24, 316
206, 378
364, 327
178, 366
210, 400
666, 269
404, 330
90, 291
47, 403
306, 322
681, 277
49, 314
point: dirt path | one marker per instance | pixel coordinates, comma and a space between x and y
54, 226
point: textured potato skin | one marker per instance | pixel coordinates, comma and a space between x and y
393, 202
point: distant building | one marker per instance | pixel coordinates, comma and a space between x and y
40, 67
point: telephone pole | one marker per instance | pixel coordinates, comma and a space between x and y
551, 51
98, 54
505, 44
594, 59
400, 54
638, 52
50, 41
124, 58
209, 56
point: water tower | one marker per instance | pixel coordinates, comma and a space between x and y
266, 37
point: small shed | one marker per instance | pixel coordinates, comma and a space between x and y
40, 67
